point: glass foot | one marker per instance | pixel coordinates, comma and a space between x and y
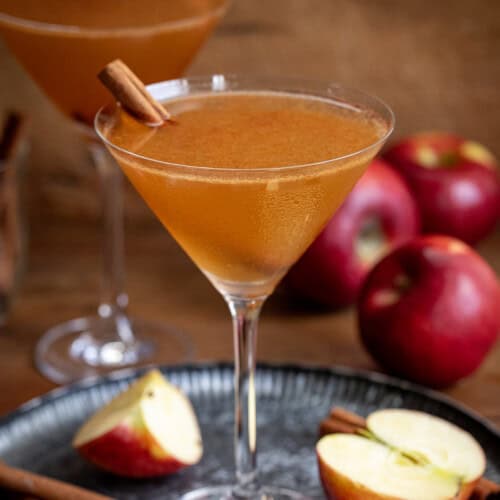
227, 493
93, 345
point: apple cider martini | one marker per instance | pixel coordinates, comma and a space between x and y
63, 45
244, 176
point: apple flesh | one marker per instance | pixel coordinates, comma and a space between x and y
430, 439
148, 430
455, 183
423, 457
428, 312
355, 468
367, 225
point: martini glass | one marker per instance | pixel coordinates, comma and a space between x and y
63, 45
247, 217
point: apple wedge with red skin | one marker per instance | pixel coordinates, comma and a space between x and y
429, 311
405, 455
378, 215
149, 430
455, 182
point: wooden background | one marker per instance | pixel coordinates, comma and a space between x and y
436, 63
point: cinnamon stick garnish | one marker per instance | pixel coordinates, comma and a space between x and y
344, 421
41, 487
129, 90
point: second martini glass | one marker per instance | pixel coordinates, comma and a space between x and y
63, 45
244, 180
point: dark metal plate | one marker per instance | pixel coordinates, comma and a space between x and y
291, 402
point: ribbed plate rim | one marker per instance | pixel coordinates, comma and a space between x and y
339, 370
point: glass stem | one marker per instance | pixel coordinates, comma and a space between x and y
245, 314
113, 299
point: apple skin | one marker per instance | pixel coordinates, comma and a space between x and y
137, 434
126, 451
332, 270
429, 311
455, 182
339, 487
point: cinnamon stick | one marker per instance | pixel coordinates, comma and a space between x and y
348, 417
11, 135
486, 490
129, 90
344, 421
41, 487
334, 426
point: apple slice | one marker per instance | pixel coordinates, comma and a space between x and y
432, 440
148, 430
406, 455
356, 468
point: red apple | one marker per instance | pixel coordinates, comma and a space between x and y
455, 183
148, 430
377, 215
429, 311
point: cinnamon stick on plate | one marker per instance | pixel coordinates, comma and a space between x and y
486, 490
40, 487
343, 421
129, 90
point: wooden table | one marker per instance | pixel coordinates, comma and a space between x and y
432, 64
62, 282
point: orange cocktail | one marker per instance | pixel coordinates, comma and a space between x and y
244, 177
64, 44
245, 227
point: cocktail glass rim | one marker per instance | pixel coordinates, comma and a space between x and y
179, 87
183, 22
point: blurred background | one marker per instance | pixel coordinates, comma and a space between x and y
435, 63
